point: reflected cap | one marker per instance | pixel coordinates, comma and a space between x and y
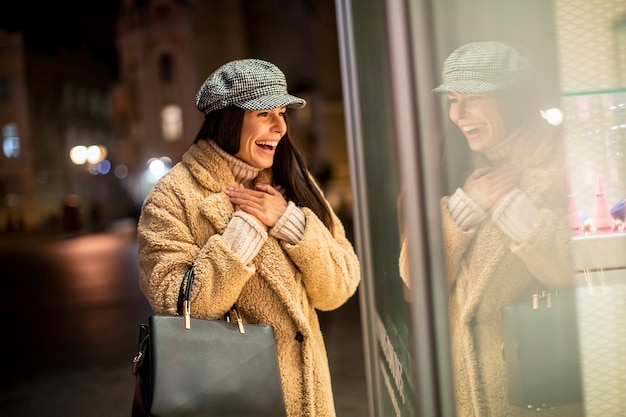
250, 84
482, 67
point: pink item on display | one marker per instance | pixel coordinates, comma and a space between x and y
602, 218
573, 210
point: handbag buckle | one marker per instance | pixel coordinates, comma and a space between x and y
186, 308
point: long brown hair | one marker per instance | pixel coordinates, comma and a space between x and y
289, 169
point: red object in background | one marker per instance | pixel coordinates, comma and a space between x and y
602, 218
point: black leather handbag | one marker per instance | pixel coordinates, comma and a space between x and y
540, 351
201, 368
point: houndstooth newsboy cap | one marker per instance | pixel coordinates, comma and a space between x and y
482, 67
250, 84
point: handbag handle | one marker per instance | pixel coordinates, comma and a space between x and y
183, 306
184, 293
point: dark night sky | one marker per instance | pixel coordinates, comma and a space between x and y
48, 25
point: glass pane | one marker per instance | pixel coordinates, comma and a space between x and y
534, 105
387, 309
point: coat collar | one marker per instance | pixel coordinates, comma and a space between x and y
207, 167
213, 174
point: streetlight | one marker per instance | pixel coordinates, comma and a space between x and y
94, 155
78, 155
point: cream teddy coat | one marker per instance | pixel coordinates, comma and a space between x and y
488, 270
181, 223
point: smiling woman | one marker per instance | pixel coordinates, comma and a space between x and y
243, 210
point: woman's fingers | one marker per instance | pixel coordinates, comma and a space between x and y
487, 186
265, 203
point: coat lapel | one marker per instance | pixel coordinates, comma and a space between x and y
489, 247
277, 270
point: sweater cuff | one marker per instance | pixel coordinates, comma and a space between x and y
515, 215
464, 211
290, 226
244, 236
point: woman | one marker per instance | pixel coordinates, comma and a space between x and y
243, 209
505, 229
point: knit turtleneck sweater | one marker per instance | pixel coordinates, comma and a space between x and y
244, 234
514, 214
244, 173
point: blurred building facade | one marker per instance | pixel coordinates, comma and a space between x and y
153, 103
144, 118
51, 102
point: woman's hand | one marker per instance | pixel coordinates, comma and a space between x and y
487, 186
266, 203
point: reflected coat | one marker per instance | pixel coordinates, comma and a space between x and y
487, 270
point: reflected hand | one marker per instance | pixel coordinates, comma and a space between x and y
487, 186
265, 203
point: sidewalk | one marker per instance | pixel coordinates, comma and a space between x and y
106, 391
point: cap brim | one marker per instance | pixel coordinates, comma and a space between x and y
470, 87
273, 102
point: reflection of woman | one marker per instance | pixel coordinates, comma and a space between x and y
505, 229
243, 209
